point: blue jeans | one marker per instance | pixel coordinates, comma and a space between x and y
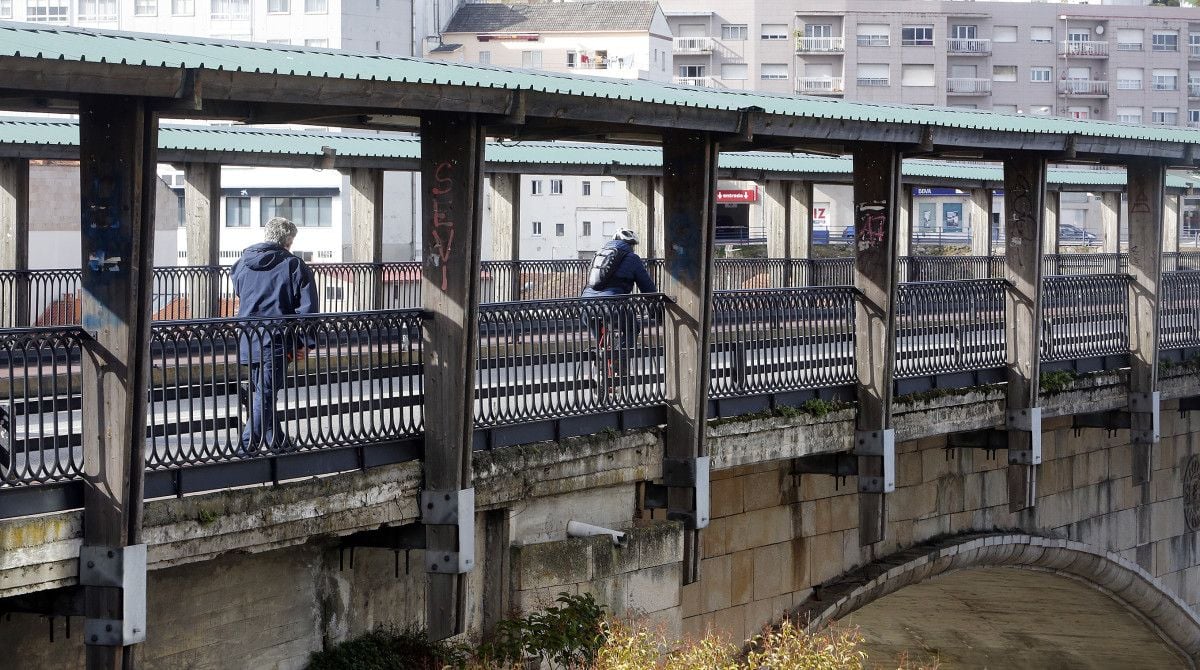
266, 380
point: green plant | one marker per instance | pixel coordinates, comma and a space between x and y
206, 517
817, 407
1053, 383
388, 649
566, 635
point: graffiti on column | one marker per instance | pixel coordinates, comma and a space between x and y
871, 224
1139, 198
443, 220
1021, 202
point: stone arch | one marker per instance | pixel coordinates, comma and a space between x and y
1118, 578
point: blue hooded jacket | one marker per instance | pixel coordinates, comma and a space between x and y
271, 281
631, 271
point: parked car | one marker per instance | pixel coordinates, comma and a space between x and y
1071, 234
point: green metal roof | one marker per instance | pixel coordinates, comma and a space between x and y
96, 46
226, 140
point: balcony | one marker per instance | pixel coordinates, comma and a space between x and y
820, 85
1195, 51
873, 81
1194, 89
810, 45
693, 45
707, 82
968, 86
1083, 88
968, 47
1083, 48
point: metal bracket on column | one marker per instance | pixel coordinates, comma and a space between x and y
690, 473
1026, 420
839, 466
451, 508
121, 568
1148, 404
880, 443
990, 440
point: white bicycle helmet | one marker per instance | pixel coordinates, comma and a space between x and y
626, 235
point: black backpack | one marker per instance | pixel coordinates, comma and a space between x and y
604, 266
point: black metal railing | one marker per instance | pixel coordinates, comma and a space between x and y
1179, 325
1085, 316
39, 405
224, 388
555, 358
781, 340
949, 326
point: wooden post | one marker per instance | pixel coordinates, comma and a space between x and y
1147, 193
1024, 225
877, 195
202, 215
1050, 219
1110, 222
118, 143
689, 200
658, 245
14, 239
451, 205
506, 229
904, 231
1171, 214
981, 221
642, 217
797, 230
366, 230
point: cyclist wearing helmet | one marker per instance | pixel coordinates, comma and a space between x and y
616, 268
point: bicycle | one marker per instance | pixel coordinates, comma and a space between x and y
605, 367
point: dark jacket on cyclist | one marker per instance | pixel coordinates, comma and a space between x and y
631, 271
271, 281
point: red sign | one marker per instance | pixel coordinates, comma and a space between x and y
731, 195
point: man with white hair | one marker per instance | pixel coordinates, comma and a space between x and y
270, 281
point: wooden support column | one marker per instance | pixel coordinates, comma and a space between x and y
797, 244
689, 197
1051, 220
1110, 222
657, 247
117, 156
14, 239
1147, 195
505, 194
202, 216
451, 210
1024, 228
981, 221
1171, 213
775, 206
366, 230
904, 229
643, 219
877, 232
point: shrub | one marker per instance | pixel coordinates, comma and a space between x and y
388, 649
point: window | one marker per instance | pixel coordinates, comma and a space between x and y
773, 71
1129, 78
873, 35
1004, 73
531, 59
279, 6
305, 212
556, 187
144, 8
1130, 39
585, 228
916, 75
1041, 75
608, 188
485, 57
735, 71
874, 74
774, 31
1079, 35
231, 9
1165, 80
1194, 43
536, 229
560, 229
1004, 34
735, 32
320, 43
49, 11
535, 187
964, 32
916, 36
316, 6
237, 212
97, 10
325, 254
1079, 113
6, 9
1129, 114
608, 228
693, 71
333, 293
1164, 40
587, 188
1193, 117
1164, 116
182, 8
1041, 34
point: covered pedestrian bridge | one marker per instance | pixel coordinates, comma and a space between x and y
113, 407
